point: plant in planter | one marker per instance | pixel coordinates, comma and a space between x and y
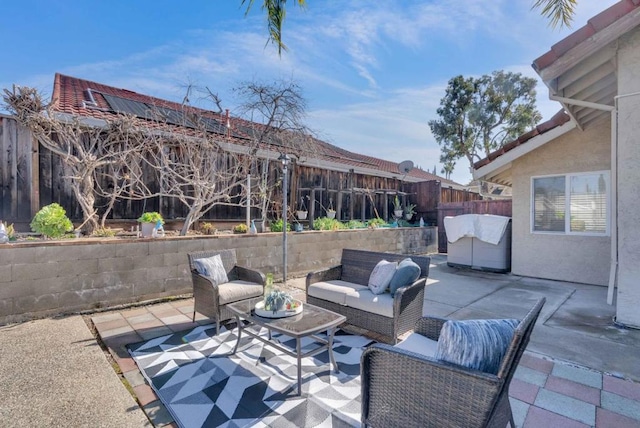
208, 228
331, 213
409, 211
51, 221
276, 226
240, 228
397, 207
149, 221
376, 222
302, 212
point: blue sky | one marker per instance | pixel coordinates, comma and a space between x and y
373, 73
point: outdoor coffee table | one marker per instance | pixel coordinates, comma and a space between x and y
308, 323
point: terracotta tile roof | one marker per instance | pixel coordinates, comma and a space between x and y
86, 98
594, 25
558, 119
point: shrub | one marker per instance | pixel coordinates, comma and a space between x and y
326, 223
376, 222
104, 232
240, 228
207, 228
51, 221
276, 226
355, 224
151, 217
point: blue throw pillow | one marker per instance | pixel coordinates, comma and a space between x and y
406, 273
476, 344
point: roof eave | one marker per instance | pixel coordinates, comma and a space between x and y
503, 162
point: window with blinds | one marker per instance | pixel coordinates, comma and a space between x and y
571, 203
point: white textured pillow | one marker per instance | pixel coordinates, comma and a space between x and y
212, 268
381, 276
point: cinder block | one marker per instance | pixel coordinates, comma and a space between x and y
147, 261
162, 246
132, 249
115, 264
16, 289
27, 304
6, 309
31, 271
73, 268
175, 259
5, 272
162, 273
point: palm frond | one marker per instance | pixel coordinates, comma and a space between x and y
558, 11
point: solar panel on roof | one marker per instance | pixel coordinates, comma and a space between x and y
127, 106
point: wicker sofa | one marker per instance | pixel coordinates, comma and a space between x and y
343, 289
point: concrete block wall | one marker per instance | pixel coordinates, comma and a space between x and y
47, 278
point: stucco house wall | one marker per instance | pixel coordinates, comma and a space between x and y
628, 146
584, 259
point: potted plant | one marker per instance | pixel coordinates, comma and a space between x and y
208, 228
149, 221
409, 211
240, 228
397, 207
302, 212
331, 213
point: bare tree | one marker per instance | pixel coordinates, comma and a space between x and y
83, 148
274, 116
197, 170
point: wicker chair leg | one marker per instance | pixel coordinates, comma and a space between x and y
511, 422
217, 326
194, 316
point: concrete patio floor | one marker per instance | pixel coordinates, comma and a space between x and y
579, 370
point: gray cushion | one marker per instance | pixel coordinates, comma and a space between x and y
381, 276
476, 344
335, 291
406, 273
365, 300
212, 268
419, 344
235, 291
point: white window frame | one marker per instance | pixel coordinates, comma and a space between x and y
567, 204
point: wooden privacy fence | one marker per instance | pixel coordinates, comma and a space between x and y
497, 207
31, 177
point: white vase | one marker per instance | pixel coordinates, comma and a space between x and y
147, 229
408, 216
302, 215
397, 213
331, 214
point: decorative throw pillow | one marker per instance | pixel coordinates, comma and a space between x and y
381, 276
406, 273
476, 344
212, 268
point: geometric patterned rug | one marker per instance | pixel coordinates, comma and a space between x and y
202, 385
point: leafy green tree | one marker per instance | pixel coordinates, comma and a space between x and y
479, 115
558, 11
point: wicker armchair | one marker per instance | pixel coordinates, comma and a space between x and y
211, 299
404, 389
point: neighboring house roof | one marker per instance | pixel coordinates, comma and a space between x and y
581, 69
581, 73
88, 99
